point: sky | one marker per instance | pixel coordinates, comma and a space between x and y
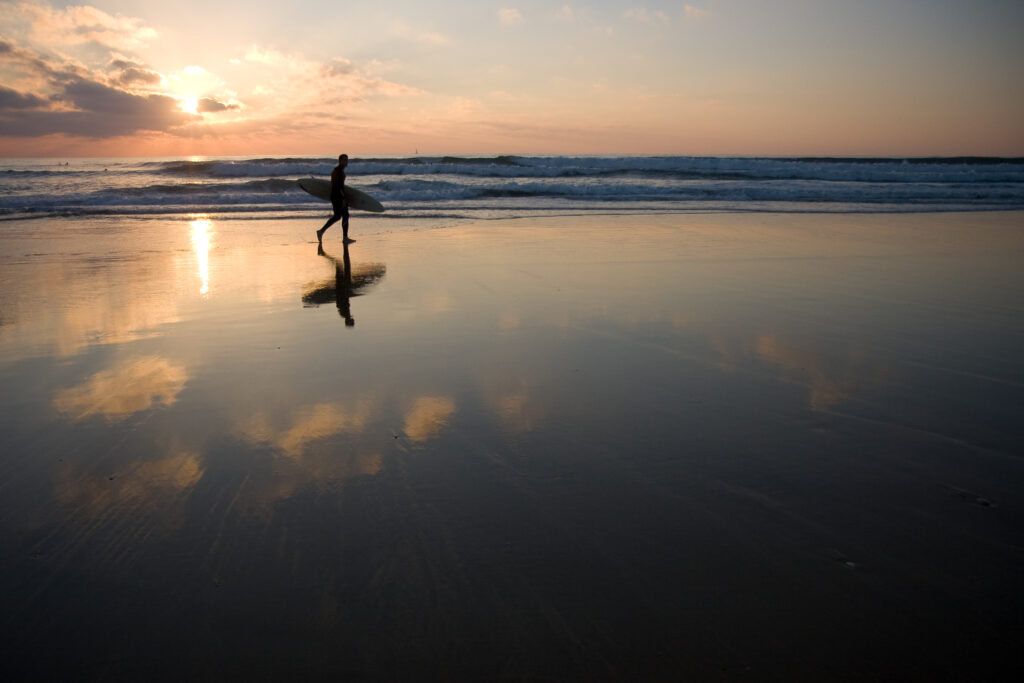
742, 77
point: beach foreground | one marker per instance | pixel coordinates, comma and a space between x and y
708, 447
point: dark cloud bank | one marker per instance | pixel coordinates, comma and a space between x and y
83, 106
99, 111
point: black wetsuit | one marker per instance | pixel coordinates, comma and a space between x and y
339, 202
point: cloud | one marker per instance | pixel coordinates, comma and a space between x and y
210, 105
119, 62
97, 111
643, 16
509, 16
101, 112
407, 32
51, 87
692, 12
306, 84
581, 17
11, 99
79, 102
433, 39
28, 62
261, 55
375, 67
137, 76
338, 67
130, 72
76, 25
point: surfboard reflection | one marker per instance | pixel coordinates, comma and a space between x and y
348, 282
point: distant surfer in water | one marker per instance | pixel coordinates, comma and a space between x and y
338, 201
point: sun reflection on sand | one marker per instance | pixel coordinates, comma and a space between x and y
202, 236
132, 387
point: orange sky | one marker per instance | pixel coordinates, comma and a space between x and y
715, 77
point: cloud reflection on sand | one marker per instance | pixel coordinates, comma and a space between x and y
308, 424
159, 485
521, 340
827, 386
134, 386
316, 446
516, 401
428, 416
831, 376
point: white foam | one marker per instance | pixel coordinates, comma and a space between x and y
518, 185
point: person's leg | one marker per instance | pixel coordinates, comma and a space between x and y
330, 221
344, 224
321, 231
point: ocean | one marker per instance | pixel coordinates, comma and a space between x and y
453, 189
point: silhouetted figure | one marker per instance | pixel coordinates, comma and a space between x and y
338, 201
345, 284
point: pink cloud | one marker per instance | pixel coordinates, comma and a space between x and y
75, 25
695, 12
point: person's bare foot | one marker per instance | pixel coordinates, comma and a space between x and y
320, 236
348, 240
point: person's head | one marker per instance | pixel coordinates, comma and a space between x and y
343, 160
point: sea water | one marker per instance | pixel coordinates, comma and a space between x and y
452, 189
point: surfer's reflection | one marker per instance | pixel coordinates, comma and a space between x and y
346, 284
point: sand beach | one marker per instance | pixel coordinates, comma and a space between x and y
713, 446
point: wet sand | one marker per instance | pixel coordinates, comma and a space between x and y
703, 447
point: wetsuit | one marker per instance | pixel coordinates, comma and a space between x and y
338, 201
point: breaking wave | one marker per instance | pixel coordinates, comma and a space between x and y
517, 185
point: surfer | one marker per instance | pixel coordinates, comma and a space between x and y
338, 201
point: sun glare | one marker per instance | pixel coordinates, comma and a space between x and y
190, 105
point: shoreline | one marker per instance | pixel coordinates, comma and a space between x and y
560, 213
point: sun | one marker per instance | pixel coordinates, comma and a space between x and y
189, 104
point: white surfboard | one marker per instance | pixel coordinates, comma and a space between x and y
357, 199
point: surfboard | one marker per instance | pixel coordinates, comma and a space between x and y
357, 199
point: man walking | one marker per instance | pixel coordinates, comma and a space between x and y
338, 201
